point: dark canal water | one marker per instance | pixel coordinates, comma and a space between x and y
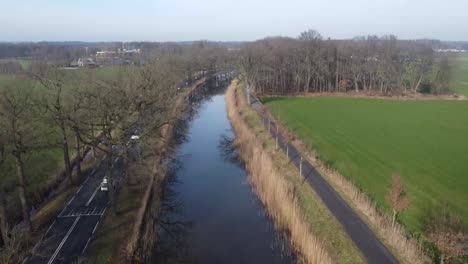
210, 213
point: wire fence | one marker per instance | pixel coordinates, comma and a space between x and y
367, 242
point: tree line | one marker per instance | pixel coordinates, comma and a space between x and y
377, 65
83, 109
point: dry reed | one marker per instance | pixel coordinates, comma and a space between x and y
275, 192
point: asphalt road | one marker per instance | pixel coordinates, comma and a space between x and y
69, 235
366, 241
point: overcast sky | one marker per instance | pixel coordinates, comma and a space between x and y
227, 20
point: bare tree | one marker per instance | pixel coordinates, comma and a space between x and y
446, 232
372, 64
19, 119
4, 228
397, 197
54, 80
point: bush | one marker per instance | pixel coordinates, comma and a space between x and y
425, 88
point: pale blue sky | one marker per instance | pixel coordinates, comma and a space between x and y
176, 20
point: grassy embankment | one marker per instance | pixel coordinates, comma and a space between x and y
119, 234
293, 205
460, 75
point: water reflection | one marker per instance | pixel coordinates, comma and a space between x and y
209, 212
227, 149
172, 246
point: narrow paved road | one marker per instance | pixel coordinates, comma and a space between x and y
371, 247
68, 236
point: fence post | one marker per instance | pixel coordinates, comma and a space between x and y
277, 137
300, 167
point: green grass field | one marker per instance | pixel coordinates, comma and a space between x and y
460, 74
368, 140
25, 64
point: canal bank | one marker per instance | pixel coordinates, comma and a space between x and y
315, 233
210, 213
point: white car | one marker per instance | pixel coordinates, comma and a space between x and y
104, 185
135, 137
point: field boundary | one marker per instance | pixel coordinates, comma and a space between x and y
412, 97
276, 193
364, 238
405, 247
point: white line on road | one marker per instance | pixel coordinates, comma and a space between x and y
63, 241
87, 242
103, 212
92, 196
95, 227
48, 229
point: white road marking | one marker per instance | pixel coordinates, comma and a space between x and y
48, 229
95, 227
92, 196
87, 242
39, 242
79, 215
63, 241
103, 212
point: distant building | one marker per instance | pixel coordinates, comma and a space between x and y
450, 50
119, 57
83, 62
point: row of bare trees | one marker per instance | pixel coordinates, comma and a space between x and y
84, 109
372, 64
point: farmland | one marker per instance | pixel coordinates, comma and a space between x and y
369, 140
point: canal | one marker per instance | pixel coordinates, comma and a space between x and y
210, 213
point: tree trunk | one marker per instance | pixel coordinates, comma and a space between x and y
416, 87
125, 165
337, 88
66, 155
394, 218
356, 86
442, 257
22, 190
110, 180
3, 220
78, 155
